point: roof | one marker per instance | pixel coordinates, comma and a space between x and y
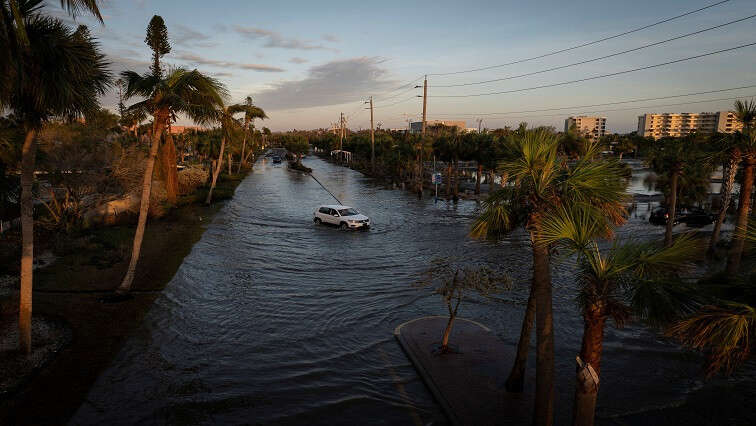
334, 206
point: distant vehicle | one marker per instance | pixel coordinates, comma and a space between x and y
344, 217
660, 215
276, 159
696, 217
693, 217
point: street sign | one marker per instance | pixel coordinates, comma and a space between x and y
436, 179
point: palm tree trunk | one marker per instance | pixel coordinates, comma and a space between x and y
216, 172
28, 160
477, 179
504, 178
447, 333
448, 179
144, 204
544, 398
586, 390
731, 170
744, 210
456, 180
229, 163
516, 380
671, 208
168, 164
242, 158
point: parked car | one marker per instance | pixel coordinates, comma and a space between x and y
693, 217
696, 217
344, 217
276, 159
660, 215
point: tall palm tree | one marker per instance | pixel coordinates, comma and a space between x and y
729, 148
190, 93
745, 112
225, 116
250, 113
632, 278
670, 156
543, 183
54, 72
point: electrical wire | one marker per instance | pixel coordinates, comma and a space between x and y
597, 105
599, 58
519, 61
595, 77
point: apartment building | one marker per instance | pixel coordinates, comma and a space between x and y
590, 127
683, 123
417, 126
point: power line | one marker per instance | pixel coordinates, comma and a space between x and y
634, 108
584, 44
599, 58
595, 77
396, 103
602, 104
410, 85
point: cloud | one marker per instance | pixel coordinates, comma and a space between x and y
277, 40
332, 83
297, 60
199, 60
186, 36
330, 37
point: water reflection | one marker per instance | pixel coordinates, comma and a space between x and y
274, 320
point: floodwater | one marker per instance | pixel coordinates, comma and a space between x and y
274, 320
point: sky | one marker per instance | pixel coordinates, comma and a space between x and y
305, 62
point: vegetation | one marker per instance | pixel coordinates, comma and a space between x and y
453, 282
52, 71
543, 184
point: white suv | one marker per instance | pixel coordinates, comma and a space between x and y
344, 217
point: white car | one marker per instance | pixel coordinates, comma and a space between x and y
344, 217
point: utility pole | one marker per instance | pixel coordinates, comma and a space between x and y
425, 101
341, 131
372, 136
422, 138
480, 122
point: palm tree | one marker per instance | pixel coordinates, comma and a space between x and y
190, 93
225, 116
669, 156
728, 147
250, 113
633, 278
745, 112
543, 183
725, 328
54, 72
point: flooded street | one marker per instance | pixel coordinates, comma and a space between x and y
274, 320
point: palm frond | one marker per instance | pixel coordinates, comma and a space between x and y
725, 331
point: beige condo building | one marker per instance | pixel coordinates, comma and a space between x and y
590, 127
684, 123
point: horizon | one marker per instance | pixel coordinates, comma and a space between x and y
304, 68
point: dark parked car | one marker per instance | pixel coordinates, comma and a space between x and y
660, 215
695, 217
692, 217
276, 159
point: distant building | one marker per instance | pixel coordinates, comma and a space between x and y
684, 123
590, 127
178, 130
417, 126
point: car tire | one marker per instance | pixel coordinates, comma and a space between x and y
343, 226
316, 220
